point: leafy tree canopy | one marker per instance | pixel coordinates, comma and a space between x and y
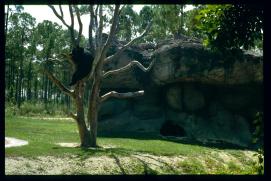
231, 26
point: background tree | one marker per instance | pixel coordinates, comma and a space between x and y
19, 33
231, 26
128, 23
26, 46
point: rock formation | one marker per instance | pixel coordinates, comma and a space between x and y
210, 96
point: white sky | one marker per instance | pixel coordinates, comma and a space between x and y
43, 12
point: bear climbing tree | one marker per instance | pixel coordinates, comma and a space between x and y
87, 126
82, 62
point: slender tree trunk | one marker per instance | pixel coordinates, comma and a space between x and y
94, 103
29, 81
84, 133
93, 113
20, 77
36, 89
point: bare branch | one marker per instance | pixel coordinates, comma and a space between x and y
108, 59
58, 84
90, 28
100, 30
68, 57
121, 95
96, 26
60, 8
72, 26
57, 15
126, 67
112, 30
80, 24
55, 60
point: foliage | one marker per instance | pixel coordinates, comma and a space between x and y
167, 20
231, 26
128, 21
27, 45
35, 108
257, 137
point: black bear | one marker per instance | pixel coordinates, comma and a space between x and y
82, 60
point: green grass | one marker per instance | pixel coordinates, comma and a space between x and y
43, 135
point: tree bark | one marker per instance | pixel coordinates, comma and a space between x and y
84, 133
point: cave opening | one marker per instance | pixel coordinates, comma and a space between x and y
171, 129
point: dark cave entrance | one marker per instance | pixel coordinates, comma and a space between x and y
171, 129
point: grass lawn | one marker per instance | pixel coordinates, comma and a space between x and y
118, 153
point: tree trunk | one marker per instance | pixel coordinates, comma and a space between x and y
94, 103
29, 81
84, 133
93, 113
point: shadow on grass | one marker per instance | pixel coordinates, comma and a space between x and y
115, 153
183, 140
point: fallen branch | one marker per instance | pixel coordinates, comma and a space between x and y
131, 64
121, 95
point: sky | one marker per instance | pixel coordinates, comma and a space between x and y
43, 12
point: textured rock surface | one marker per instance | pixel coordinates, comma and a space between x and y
208, 95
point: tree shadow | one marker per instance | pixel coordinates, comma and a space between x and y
118, 164
116, 153
168, 166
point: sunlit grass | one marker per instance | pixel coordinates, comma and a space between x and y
43, 135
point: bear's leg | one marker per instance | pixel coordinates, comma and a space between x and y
75, 78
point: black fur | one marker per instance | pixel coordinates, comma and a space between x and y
83, 64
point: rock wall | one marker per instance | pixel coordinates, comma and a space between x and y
206, 95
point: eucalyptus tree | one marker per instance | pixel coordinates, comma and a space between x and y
87, 126
128, 23
168, 20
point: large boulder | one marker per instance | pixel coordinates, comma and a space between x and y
186, 61
209, 96
193, 99
174, 97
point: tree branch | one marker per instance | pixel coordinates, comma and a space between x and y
100, 30
126, 67
59, 16
58, 83
112, 30
121, 95
90, 28
72, 26
62, 15
80, 25
96, 26
108, 59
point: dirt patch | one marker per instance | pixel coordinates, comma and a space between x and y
110, 164
69, 145
74, 145
12, 142
101, 165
